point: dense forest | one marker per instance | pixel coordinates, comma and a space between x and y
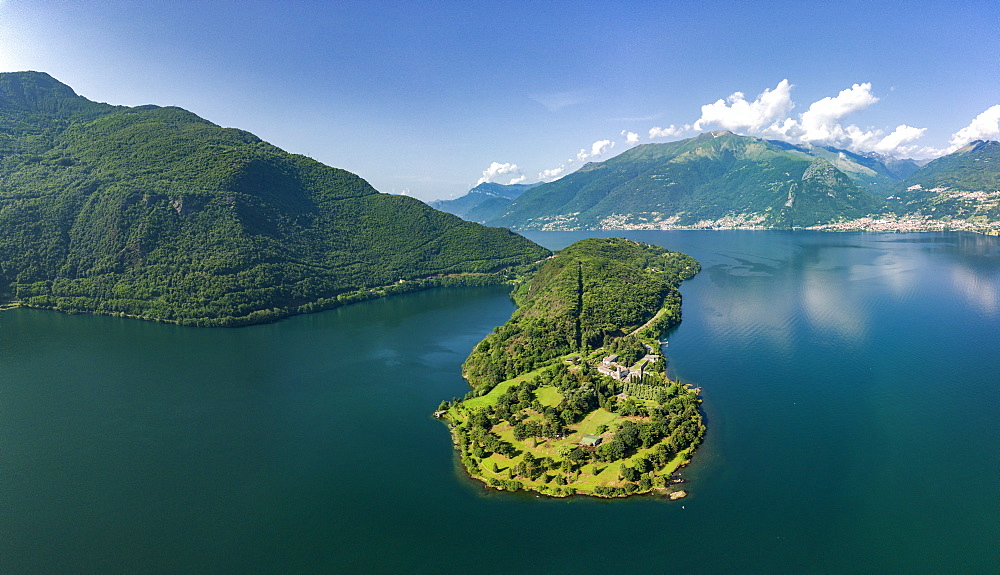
571, 395
593, 292
155, 213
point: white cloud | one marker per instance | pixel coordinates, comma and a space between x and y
854, 138
897, 142
600, 147
739, 114
551, 174
497, 169
985, 126
596, 149
670, 132
517, 180
821, 122
631, 138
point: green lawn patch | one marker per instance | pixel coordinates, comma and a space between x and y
500, 388
548, 396
595, 419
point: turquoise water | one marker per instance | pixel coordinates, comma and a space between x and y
850, 385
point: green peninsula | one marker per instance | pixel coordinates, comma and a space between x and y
571, 396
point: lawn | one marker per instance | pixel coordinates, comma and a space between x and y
501, 388
596, 418
548, 396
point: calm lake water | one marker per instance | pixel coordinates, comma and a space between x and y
851, 389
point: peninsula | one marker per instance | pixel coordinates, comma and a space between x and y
571, 395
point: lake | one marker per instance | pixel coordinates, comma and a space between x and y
851, 395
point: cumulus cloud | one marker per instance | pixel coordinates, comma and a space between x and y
821, 122
497, 169
598, 148
551, 174
768, 115
898, 142
517, 180
631, 138
985, 126
670, 132
739, 114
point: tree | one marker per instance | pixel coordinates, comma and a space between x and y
578, 455
629, 473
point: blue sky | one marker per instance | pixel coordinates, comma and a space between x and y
432, 97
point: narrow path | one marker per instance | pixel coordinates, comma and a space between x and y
651, 320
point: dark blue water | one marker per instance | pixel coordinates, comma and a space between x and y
850, 384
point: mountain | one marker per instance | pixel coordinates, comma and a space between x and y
716, 179
483, 202
154, 212
871, 171
964, 185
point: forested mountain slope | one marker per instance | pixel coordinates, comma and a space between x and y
717, 179
587, 296
156, 213
962, 185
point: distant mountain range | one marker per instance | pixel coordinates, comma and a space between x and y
723, 180
155, 213
483, 202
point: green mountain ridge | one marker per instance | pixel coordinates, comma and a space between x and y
156, 213
702, 181
962, 185
720, 180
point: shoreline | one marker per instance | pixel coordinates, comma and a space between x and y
878, 225
264, 316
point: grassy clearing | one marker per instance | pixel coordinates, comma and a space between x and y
548, 396
593, 420
501, 388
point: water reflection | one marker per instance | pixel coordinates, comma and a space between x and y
831, 282
980, 289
